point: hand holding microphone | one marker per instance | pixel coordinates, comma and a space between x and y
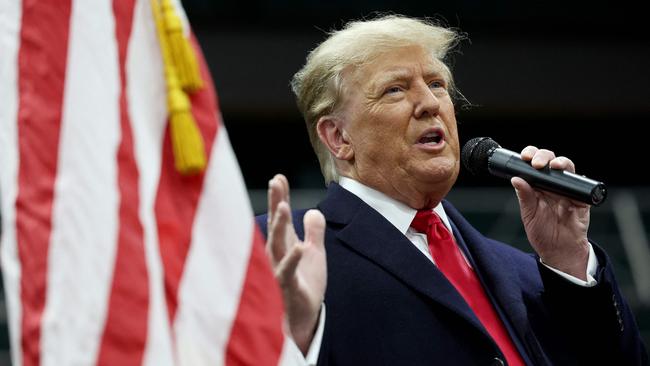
482, 154
556, 228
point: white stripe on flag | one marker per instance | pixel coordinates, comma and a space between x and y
85, 209
148, 110
216, 263
10, 13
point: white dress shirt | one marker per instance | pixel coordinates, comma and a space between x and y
401, 216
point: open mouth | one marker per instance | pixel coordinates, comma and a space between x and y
432, 137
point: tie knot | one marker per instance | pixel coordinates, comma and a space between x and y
424, 219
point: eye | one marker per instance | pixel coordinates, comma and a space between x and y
437, 84
393, 89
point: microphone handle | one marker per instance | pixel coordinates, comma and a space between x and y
508, 164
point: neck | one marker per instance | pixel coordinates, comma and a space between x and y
411, 195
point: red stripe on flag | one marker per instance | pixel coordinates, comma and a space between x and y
125, 333
178, 196
42, 62
256, 337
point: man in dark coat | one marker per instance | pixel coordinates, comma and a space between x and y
377, 97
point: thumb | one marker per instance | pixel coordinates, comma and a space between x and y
314, 223
525, 193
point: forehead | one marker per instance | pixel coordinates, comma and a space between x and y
400, 63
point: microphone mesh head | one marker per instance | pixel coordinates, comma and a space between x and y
475, 154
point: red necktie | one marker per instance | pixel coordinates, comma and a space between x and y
452, 264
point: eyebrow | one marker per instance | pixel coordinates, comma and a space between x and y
400, 74
390, 76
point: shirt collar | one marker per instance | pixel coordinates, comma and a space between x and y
396, 212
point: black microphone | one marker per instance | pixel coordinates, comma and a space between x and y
483, 155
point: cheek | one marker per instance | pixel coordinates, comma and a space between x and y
378, 146
452, 139
383, 132
378, 135
451, 125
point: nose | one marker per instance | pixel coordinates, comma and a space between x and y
426, 102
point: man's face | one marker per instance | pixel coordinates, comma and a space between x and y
401, 125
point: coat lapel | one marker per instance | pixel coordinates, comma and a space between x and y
496, 271
369, 234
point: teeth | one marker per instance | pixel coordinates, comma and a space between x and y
431, 138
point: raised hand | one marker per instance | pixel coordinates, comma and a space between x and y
300, 266
556, 226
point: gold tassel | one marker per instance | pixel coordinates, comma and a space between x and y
182, 53
187, 141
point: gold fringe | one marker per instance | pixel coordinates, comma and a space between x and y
187, 141
181, 50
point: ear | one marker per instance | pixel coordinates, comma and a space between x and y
331, 133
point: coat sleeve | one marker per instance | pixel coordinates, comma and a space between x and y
296, 217
591, 325
261, 223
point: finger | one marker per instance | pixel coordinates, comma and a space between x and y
271, 201
563, 163
286, 269
314, 223
275, 195
528, 152
542, 158
277, 243
284, 185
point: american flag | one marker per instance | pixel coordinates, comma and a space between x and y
109, 255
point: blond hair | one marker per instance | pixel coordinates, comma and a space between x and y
318, 86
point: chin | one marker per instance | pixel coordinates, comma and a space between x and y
442, 171
441, 180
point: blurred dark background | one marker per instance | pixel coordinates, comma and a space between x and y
571, 76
